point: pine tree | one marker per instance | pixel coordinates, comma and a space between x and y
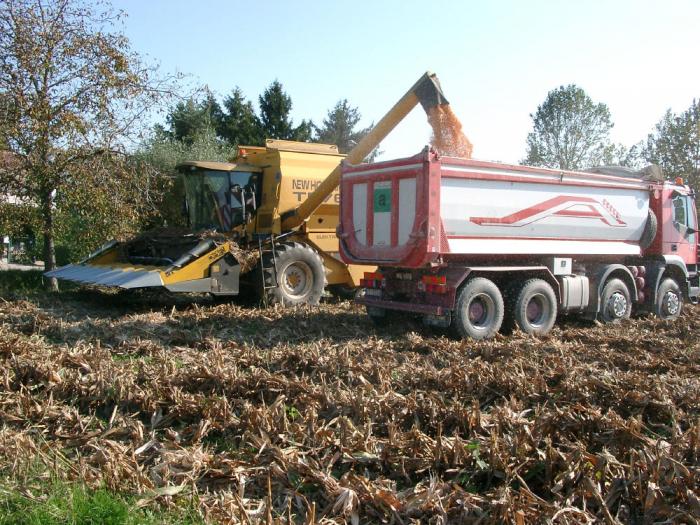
193, 117
275, 106
239, 124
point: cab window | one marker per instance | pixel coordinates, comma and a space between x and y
684, 215
679, 211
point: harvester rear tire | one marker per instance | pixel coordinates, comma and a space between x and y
301, 276
479, 310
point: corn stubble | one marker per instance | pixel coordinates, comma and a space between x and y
311, 415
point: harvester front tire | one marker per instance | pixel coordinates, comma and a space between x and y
535, 307
301, 276
615, 302
669, 300
479, 310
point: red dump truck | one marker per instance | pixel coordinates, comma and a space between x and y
482, 246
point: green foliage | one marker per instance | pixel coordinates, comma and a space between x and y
74, 91
193, 118
76, 505
675, 144
239, 124
275, 106
620, 155
163, 153
17, 220
19, 281
339, 127
570, 131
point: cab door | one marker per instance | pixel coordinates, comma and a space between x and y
680, 234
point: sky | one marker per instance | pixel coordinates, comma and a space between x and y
496, 60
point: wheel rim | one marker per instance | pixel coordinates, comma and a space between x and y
297, 280
671, 303
617, 305
537, 310
481, 311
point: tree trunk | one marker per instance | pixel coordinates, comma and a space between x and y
49, 248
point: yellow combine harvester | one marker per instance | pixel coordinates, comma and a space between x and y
267, 219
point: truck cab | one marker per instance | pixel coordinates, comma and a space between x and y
674, 205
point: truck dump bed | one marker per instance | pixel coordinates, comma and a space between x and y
415, 211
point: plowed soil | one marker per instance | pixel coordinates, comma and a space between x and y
313, 415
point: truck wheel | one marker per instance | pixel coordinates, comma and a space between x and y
301, 276
379, 316
479, 309
535, 307
615, 302
669, 300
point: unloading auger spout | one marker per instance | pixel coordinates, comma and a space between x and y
426, 92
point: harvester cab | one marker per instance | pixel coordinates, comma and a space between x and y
219, 196
267, 219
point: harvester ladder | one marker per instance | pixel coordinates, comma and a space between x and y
263, 251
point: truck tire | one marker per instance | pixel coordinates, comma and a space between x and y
479, 310
650, 229
615, 302
380, 317
301, 276
669, 300
535, 307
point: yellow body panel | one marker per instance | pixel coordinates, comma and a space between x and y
106, 258
197, 269
291, 171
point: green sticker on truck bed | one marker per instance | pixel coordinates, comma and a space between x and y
382, 197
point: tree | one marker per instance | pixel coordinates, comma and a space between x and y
193, 117
77, 93
239, 124
621, 155
675, 144
339, 127
275, 106
570, 131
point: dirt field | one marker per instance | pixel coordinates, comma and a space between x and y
260, 416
